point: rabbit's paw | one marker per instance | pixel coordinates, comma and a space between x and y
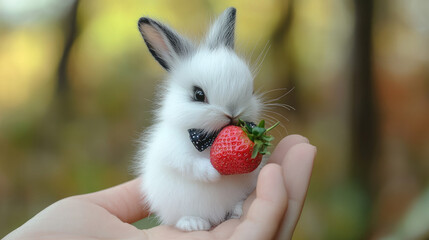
190, 223
205, 172
237, 211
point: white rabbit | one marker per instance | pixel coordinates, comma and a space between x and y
208, 87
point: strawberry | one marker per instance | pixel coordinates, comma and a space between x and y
239, 149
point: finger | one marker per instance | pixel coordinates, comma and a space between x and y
283, 147
226, 228
277, 157
266, 211
124, 201
297, 167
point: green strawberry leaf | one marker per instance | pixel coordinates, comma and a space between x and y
257, 134
258, 131
240, 123
248, 127
267, 138
256, 149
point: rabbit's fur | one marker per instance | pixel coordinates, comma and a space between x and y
178, 182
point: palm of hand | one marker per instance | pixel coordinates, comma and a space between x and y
271, 211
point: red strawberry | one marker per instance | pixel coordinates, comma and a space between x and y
239, 149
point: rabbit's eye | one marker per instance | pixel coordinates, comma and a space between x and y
199, 95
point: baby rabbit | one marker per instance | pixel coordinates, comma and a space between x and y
208, 87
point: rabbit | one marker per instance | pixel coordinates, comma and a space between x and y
208, 87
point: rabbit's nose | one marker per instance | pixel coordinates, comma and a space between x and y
232, 120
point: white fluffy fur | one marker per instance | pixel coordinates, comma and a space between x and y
179, 183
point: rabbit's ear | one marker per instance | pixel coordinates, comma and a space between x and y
166, 46
222, 31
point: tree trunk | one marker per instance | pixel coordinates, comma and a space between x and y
363, 106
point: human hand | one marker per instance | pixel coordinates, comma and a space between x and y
272, 211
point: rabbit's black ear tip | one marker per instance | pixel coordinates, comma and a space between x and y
143, 20
231, 11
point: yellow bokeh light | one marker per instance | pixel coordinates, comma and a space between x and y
28, 58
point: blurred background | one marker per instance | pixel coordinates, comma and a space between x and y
77, 85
